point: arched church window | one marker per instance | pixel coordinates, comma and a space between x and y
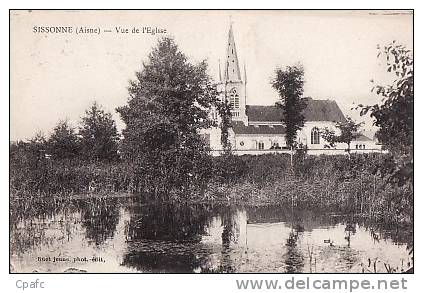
234, 99
315, 136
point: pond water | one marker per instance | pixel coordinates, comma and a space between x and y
123, 235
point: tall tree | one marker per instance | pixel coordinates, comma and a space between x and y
224, 110
63, 142
168, 105
289, 83
394, 116
99, 136
348, 131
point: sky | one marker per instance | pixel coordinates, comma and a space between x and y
57, 76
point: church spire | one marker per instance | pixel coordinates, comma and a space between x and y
232, 72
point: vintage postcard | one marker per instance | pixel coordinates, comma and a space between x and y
221, 141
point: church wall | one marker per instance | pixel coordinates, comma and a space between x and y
365, 144
213, 135
304, 135
251, 142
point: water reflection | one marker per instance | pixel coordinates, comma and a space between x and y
99, 217
135, 237
166, 237
230, 237
294, 258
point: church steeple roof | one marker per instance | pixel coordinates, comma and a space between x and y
232, 72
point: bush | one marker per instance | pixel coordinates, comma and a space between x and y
333, 183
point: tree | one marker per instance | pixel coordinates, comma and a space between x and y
99, 136
168, 105
224, 111
289, 83
37, 145
394, 116
28, 163
63, 142
349, 130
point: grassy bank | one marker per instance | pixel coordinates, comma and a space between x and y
334, 183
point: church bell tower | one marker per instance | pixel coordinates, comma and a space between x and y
234, 88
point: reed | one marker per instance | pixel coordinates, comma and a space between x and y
335, 183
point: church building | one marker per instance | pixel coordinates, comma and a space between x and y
259, 129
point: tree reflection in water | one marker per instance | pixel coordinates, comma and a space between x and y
348, 257
99, 217
294, 259
167, 237
230, 234
202, 238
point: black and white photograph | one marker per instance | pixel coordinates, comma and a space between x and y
211, 141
